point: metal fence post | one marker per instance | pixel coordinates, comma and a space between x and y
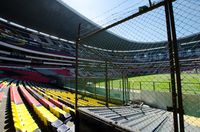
171, 57
95, 87
177, 68
112, 84
106, 82
76, 80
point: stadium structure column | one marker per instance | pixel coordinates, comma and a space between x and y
76, 81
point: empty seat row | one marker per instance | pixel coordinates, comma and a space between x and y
1, 96
70, 97
54, 101
58, 98
61, 114
2, 85
48, 119
22, 119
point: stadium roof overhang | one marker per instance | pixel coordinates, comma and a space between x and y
56, 18
48, 16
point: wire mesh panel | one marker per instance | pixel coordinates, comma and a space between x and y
94, 68
187, 28
133, 67
135, 62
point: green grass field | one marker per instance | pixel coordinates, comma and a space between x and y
160, 82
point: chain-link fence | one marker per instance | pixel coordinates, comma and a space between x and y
136, 61
187, 18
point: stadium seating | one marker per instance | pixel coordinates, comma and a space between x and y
54, 101
105, 58
58, 98
64, 116
27, 39
70, 97
1, 96
3, 84
45, 115
1, 92
54, 114
23, 121
25, 74
62, 72
23, 38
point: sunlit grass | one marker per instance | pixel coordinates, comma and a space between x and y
159, 82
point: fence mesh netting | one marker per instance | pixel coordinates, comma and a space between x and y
130, 61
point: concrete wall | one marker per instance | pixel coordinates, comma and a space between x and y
153, 98
191, 102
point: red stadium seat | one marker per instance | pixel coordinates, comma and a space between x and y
15, 97
1, 96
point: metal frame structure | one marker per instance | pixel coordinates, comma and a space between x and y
174, 63
76, 80
173, 85
177, 67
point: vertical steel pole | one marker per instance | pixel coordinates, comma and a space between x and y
177, 68
120, 86
109, 90
76, 81
112, 83
171, 56
94, 86
123, 87
127, 89
106, 83
96, 90
84, 89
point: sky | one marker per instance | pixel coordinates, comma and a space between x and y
97, 10
91, 8
147, 28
